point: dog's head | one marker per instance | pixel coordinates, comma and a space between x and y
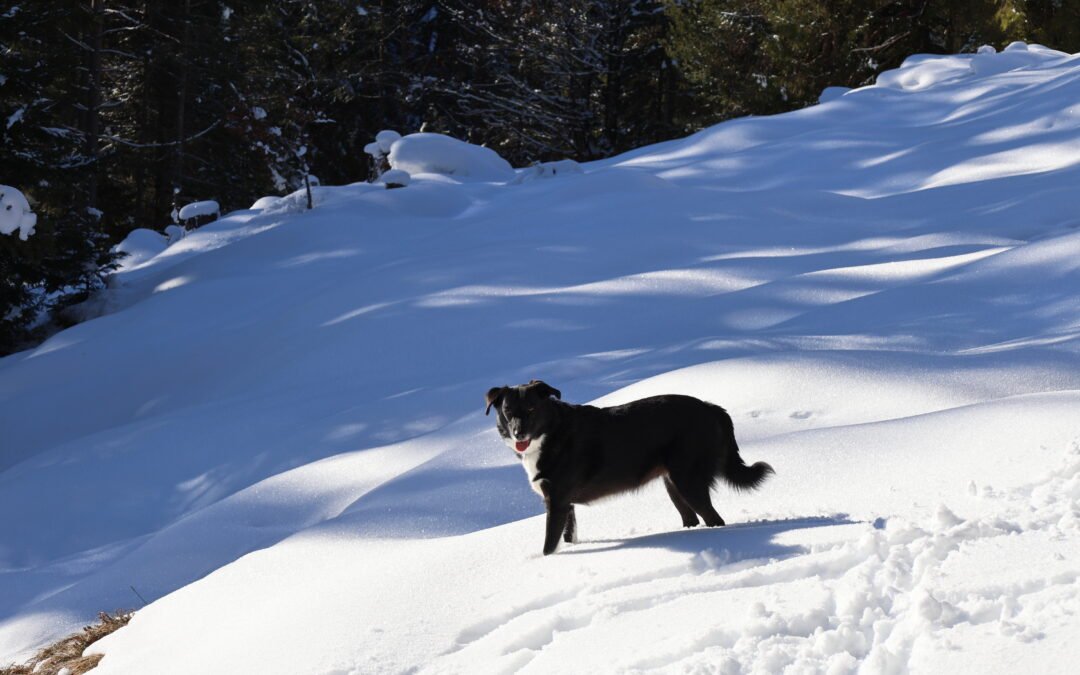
524, 412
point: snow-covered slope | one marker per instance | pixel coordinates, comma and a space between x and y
277, 437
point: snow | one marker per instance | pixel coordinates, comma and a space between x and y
140, 246
561, 167
831, 93
435, 153
396, 177
175, 233
15, 117
385, 139
278, 436
264, 203
197, 209
15, 213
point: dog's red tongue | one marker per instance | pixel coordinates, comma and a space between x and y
522, 445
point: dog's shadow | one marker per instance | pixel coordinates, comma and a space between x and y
732, 543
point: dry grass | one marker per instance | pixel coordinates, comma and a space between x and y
68, 652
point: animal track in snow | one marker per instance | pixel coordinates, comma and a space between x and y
871, 601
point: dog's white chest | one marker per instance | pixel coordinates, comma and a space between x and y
529, 460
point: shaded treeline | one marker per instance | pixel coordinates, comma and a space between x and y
116, 110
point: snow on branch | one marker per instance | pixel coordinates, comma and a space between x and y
15, 213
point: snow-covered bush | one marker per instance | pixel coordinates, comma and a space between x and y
379, 149
436, 153
15, 213
175, 233
385, 139
44, 278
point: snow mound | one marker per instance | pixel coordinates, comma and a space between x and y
395, 177
923, 71
435, 153
141, 245
15, 213
562, 167
1015, 56
175, 233
832, 93
264, 203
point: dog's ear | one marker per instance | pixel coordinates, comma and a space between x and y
545, 389
493, 396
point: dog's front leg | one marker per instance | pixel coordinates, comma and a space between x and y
556, 523
558, 510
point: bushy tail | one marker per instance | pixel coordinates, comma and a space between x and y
736, 473
742, 477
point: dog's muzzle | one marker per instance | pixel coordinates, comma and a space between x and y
522, 446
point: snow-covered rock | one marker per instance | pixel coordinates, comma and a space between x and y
439, 154
395, 178
15, 213
199, 210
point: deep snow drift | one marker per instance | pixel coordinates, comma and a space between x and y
277, 435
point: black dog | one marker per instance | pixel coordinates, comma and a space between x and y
575, 454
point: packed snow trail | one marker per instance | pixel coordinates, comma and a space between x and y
275, 433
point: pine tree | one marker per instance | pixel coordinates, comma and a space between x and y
49, 148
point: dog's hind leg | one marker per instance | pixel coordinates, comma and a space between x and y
696, 494
570, 533
689, 518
